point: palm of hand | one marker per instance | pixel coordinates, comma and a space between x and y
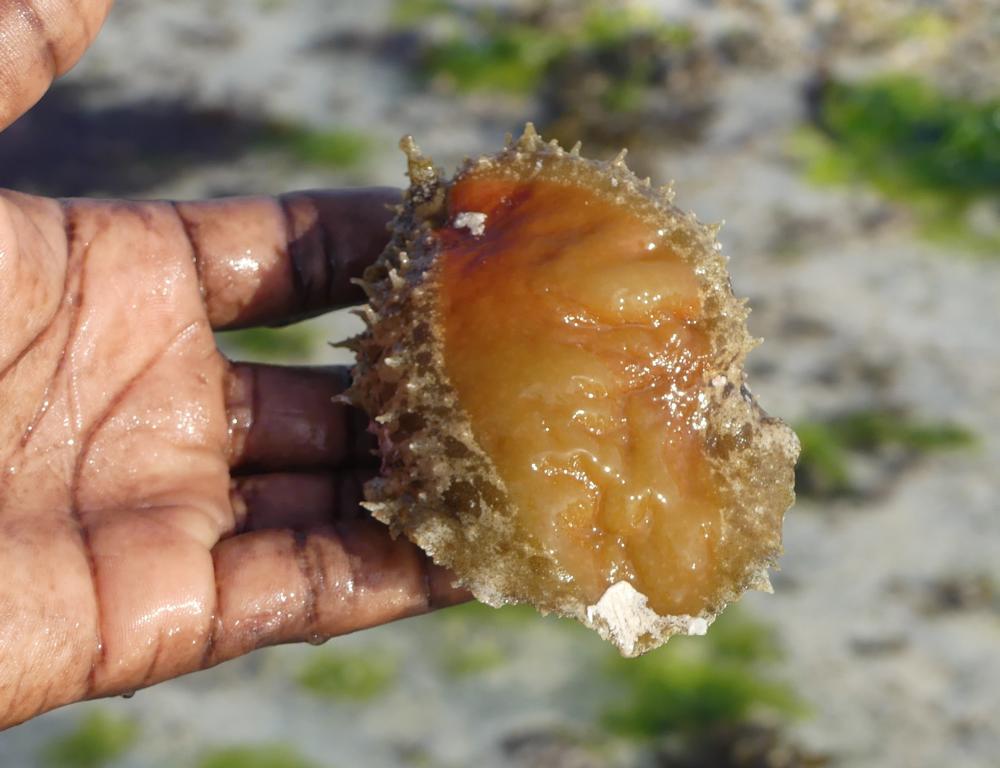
130, 554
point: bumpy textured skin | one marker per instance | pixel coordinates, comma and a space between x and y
440, 489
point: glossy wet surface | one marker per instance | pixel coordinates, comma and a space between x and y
574, 338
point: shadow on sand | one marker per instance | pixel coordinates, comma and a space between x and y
64, 147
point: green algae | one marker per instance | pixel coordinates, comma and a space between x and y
937, 153
263, 756
348, 676
98, 740
693, 684
824, 468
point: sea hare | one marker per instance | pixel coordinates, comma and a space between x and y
553, 364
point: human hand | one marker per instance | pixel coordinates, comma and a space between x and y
162, 509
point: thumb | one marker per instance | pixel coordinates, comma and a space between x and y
39, 41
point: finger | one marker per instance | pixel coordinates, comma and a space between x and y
297, 501
41, 40
284, 586
286, 418
277, 260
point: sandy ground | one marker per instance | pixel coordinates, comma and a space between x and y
863, 313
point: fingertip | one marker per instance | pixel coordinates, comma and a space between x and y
444, 589
41, 41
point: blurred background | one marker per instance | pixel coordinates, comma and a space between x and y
852, 149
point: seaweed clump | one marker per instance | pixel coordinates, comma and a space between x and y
934, 151
609, 73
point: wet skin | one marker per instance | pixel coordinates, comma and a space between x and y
162, 509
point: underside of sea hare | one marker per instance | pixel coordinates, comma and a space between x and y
553, 364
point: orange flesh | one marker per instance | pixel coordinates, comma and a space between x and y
573, 337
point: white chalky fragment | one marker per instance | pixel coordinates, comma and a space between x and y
698, 626
624, 612
473, 221
623, 617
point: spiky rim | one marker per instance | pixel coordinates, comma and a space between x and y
439, 487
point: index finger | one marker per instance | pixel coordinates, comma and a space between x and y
272, 261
